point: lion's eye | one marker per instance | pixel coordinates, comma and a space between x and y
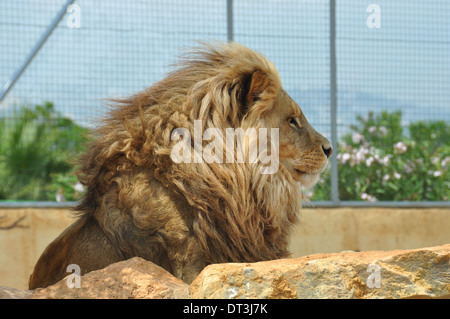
294, 122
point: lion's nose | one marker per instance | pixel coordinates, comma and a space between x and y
327, 150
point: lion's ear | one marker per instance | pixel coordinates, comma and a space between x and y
256, 84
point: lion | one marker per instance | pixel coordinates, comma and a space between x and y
184, 216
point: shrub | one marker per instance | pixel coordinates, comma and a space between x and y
36, 154
378, 161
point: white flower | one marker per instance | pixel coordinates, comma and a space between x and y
445, 161
360, 155
434, 160
386, 160
369, 161
357, 138
79, 187
345, 158
397, 175
386, 177
59, 196
380, 131
407, 169
383, 130
400, 148
368, 197
437, 173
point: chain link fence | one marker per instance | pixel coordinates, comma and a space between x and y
372, 76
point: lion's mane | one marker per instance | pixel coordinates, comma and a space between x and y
236, 213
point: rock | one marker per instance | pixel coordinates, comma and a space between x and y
13, 293
134, 278
419, 273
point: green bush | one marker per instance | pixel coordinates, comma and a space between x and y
36, 153
378, 161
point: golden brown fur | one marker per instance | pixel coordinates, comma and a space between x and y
185, 216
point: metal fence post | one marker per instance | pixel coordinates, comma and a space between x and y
333, 105
230, 34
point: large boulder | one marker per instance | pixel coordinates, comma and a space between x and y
420, 273
134, 278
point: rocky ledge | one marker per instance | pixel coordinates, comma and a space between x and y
417, 273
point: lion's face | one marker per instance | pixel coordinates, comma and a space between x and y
302, 150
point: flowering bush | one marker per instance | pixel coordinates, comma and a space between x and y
380, 162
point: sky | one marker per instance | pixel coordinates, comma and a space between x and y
122, 47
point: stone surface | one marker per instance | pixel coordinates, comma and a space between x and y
134, 278
419, 273
13, 293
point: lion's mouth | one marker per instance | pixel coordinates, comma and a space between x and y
307, 178
308, 173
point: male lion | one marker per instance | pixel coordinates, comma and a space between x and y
184, 216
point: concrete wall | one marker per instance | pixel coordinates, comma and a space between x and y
320, 231
364, 229
20, 247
